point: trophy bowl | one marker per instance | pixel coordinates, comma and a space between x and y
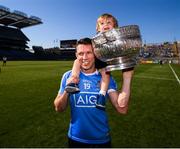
118, 47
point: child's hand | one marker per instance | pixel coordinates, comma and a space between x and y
122, 100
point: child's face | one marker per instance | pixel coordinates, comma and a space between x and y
105, 24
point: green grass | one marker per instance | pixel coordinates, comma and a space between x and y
28, 119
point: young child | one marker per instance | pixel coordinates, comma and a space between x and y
104, 23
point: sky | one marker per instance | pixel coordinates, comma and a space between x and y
159, 20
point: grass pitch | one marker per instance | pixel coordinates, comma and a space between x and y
28, 119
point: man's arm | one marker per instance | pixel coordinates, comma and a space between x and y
126, 88
61, 101
114, 100
120, 100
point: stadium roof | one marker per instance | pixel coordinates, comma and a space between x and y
16, 18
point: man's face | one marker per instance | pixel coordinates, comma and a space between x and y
86, 57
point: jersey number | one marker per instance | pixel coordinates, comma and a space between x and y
87, 86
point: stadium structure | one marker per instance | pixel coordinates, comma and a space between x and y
66, 51
155, 52
13, 42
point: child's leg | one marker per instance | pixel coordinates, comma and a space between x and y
104, 81
72, 82
76, 71
104, 87
123, 97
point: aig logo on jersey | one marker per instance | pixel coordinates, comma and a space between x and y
85, 99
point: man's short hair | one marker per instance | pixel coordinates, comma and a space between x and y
85, 41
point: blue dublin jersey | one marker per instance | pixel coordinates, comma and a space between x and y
88, 124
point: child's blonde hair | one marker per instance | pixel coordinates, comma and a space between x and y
106, 16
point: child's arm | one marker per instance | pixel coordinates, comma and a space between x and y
104, 81
123, 97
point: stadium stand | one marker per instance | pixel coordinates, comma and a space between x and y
13, 42
55, 53
12, 38
167, 51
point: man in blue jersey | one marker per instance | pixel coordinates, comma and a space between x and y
89, 125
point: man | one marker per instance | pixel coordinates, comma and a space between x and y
89, 125
4, 61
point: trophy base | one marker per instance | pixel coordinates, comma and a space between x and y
120, 64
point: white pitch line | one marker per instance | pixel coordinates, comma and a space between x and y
175, 74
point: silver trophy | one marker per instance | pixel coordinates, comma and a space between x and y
118, 47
